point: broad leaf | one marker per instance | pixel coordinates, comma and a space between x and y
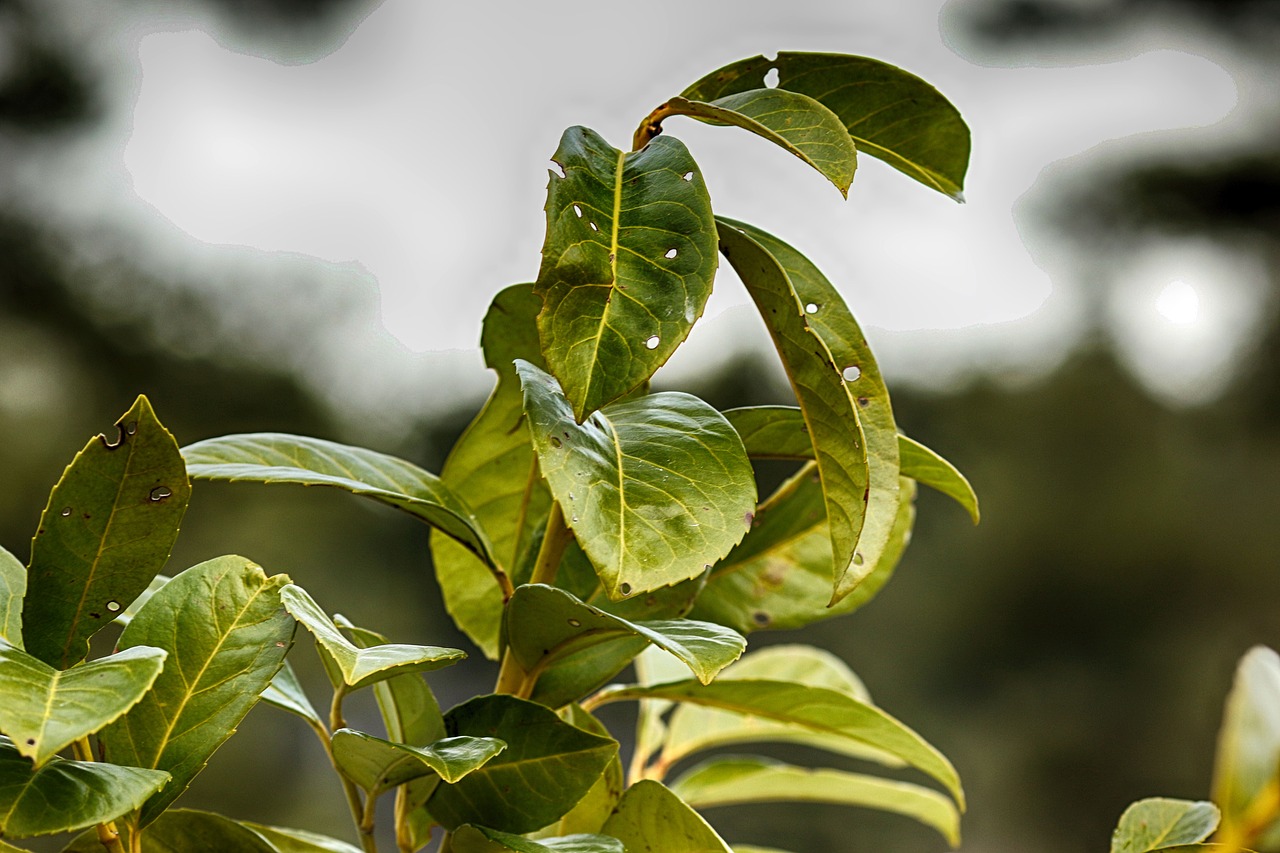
108, 529
13, 586
126, 615
378, 765
63, 796
352, 666
285, 840
1247, 768
45, 710
286, 693
479, 839
828, 404
547, 768
650, 819
1161, 824
277, 458
730, 781
925, 466
814, 708
492, 467
191, 831
655, 489
227, 635
890, 114
589, 815
627, 265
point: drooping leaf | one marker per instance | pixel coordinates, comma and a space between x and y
655, 489
285, 840
927, 467
547, 768
286, 693
492, 468
351, 665
227, 634
814, 708
63, 796
1161, 824
827, 401
890, 114
730, 781
13, 586
479, 839
378, 765
589, 815
268, 457
626, 267
108, 529
44, 710
651, 819
1247, 766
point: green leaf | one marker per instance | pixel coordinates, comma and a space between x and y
285, 840
547, 768
378, 765
126, 615
108, 529
45, 710
1247, 766
651, 819
890, 114
655, 489
492, 467
1161, 824
814, 708
795, 122
627, 264
227, 635
63, 796
286, 693
13, 586
751, 848
277, 458
545, 624
357, 667
589, 815
729, 781
409, 709
479, 839
191, 831
926, 466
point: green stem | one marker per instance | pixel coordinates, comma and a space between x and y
651, 126
446, 843
554, 541
359, 810
108, 834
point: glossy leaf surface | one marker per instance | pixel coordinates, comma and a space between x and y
268, 457
627, 265
286, 693
1247, 769
409, 709
651, 819
655, 489
377, 765
547, 768
226, 633
191, 831
890, 114
925, 466
44, 710
13, 586
108, 529
1161, 824
286, 840
478, 839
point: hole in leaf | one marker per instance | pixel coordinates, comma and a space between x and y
131, 428
66, 511
771, 78
688, 176
555, 442
851, 373
811, 308
574, 623
670, 253
578, 211
159, 493
625, 588
653, 342
864, 401
113, 606
594, 227
557, 169
857, 558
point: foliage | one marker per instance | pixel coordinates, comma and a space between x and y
581, 524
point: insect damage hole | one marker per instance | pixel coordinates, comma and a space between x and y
688, 176
670, 253
652, 342
851, 373
113, 606
578, 211
771, 78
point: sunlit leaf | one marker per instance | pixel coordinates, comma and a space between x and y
108, 529
13, 586
1161, 824
286, 693
655, 489
650, 818
226, 634
925, 466
378, 765
627, 265
1246, 783
191, 831
733, 781
547, 768
479, 839
890, 114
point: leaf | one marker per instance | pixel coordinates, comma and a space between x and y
589, 815
108, 529
795, 122
729, 781
479, 839
825, 398
353, 666
226, 633
409, 709
655, 489
1246, 784
378, 765
492, 468
268, 457
126, 615
814, 708
66, 795
285, 840
547, 768
544, 624
285, 692
45, 710
926, 466
1160, 824
890, 114
651, 819
13, 586
191, 831
627, 264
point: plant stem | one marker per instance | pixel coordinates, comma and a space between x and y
651, 126
554, 541
446, 843
108, 834
359, 811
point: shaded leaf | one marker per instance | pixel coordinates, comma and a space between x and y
655, 489
286, 693
45, 710
108, 529
1161, 824
268, 457
351, 665
651, 819
926, 466
479, 839
729, 781
547, 768
191, 831
63, 796
13, 586
227, 635
626, 267
890, 114
1246, 782
285, 840
589, 815
378, 765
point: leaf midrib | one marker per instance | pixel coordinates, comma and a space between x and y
613, 264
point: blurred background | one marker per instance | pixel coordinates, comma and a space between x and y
290, 214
